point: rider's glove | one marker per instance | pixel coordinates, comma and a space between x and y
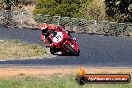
42, 37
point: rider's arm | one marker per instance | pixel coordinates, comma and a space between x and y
45, 41
42, 36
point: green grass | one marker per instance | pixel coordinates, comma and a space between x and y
56, 81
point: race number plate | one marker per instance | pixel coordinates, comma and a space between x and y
58, 37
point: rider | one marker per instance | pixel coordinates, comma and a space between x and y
46, 29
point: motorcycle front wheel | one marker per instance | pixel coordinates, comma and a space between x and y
71, 50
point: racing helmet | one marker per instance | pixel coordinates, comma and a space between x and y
43, 26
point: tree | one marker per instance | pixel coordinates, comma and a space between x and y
93, 10
68, 8
119, 10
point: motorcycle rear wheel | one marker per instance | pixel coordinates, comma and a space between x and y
71, 50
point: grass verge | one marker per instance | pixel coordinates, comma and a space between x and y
54, 81
16, 49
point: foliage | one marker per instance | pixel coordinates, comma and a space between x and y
69, 8
130, 8
18, 1
25, 1
93, 10
119, 10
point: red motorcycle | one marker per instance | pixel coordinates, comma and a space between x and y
61, 41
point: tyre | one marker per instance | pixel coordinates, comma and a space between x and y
71, 50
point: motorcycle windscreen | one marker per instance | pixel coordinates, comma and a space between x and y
57, 37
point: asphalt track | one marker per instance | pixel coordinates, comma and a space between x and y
95, 50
